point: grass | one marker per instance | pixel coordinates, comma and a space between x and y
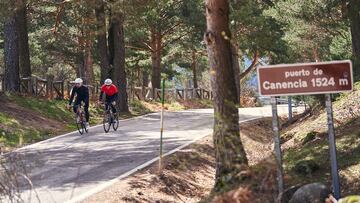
138, 108
54, 109
175, 106
15, 134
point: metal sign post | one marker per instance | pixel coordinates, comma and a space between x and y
162, 124
332, 147
275, 122
290, 109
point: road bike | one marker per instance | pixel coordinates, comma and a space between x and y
110, 118
80, 119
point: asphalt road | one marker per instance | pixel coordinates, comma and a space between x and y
72, 167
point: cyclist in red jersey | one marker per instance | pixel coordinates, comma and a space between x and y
111, 94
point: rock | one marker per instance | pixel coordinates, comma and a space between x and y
306, 167
311, 193
288, 193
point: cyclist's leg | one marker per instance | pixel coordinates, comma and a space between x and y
76, 105
107, 102
112, 99
86, 110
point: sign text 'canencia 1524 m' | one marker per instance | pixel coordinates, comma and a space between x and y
307, 78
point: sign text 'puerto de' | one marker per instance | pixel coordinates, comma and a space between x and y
306, 78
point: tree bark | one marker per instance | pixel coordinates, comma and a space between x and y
229, 151
102, 41
11, 54
24, 52
145, 78
193, 66
354, 14
236, 68
111, 45
88, 63
117, 25
156, 53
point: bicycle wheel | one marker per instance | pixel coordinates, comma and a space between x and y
115, 122
84, 127
79, 124
107, 122
83, 121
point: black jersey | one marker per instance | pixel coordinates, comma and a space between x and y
81, 92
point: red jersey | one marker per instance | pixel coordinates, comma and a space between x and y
109, 91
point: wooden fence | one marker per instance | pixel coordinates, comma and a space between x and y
146, 94
40, 87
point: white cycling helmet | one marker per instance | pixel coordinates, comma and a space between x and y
78, 81
108, 81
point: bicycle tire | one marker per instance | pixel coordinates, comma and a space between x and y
116, 122
84, 127
79, 126
106, 122
84, 123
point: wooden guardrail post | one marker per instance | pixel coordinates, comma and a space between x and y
49, 87
36, 86
30, 86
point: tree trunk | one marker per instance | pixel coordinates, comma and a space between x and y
193, 66
119, 59
80, 71
229, 151
145, 78
156, 52
354, 15
102, 41
111, 45
11, 54
236, 68
88, 63
24, 53
138, 75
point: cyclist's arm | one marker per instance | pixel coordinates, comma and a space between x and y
72, 96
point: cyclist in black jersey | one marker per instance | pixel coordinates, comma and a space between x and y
82, 95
